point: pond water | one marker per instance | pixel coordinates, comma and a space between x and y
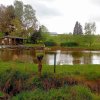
62, 57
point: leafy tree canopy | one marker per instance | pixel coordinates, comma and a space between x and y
90, 28
18, 19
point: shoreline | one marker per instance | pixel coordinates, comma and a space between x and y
71, 48
52, 48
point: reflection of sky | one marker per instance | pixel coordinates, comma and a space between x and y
95, 59
63, 58
94, 52
50, 59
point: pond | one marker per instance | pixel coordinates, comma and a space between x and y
62, 57
74, 57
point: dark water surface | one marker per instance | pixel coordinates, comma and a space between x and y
62, 57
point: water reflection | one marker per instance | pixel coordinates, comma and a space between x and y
95, 60
62, 57
74, 57
17, 55
77, 57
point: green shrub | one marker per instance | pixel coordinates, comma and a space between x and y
50, 43
4, 76
29, 95
69, 44
92, 76
47, 75
37, 82
13, 79
81, 93
64, 93
12, 75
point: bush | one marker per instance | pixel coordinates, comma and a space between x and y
81, 93
12, 80
64, 93
37, 82
69, 44
92, 76
50, 43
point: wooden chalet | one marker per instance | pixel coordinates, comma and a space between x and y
11, 40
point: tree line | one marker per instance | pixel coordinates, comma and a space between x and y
20, 20
89, 28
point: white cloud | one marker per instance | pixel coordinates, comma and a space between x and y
46, 11
96, 2
6, 2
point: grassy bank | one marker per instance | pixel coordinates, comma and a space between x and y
89, 71
78, 48
87, 42
18, 77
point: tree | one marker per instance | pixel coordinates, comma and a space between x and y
36, 37
9, 16
18, 5
18, 28
43, 28
29, 18
44, 33
90, 28
6, 15
18, 20
2, 21
78, 29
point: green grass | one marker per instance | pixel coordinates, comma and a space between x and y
17, 70
88, 71
82, 40
34, 45
17, 65
64, 93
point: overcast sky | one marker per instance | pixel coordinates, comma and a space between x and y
60, 15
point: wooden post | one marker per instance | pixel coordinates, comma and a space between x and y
40, 57
54, 62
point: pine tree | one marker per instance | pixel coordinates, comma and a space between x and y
78, 29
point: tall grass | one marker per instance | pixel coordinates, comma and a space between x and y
23, 77
64, 93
